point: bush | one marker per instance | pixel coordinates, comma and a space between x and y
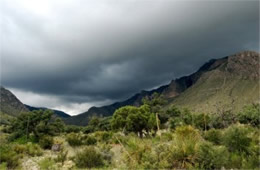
139, 154
201, 121
33, 149
61, 157
19, 149
29, 149
88, 158
236, 139
183, 151
118, 138
166, 136
214, 136
90, 140
74, 139
3, 166
175, 122
8, 156
46, 142
72, 128
47, 164
211, 157
103, 136
250, 115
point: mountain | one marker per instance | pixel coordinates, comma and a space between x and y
56, 112
10, 104
227, 83
232, 81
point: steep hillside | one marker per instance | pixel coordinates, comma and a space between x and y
220, 83
228, 83
9, 104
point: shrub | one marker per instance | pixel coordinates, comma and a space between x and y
46, 142
175, 122
88, 158
8, 156
33, 149
201, 121
61, 157
103, 136
236, 138
29, 149
250, 115
183, 148
106, 153
214, 136
47, 164
166, 136
3, 166
211, 157
139, 154
74, 139
118, 138
19, 149
72, 128
90, 140
173, 111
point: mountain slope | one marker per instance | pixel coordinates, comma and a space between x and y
9, 104
230, 85
229, 81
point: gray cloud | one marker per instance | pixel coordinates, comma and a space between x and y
96, 52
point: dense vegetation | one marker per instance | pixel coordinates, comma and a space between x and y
144, 137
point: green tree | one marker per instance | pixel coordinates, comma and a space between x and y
155, 102
133, 119
37, 122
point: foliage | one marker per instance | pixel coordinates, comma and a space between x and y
173, 111
28, 149
8, 156
62, 156
46, 142
202, 121
236, 138
3, 166
37, 122
103, 136
214, 136
155, 102
74, 139
72, 128
250, 115
133, 119
211, 157
47, 164
183, 150
89, 140
33, 149
139, 154
88, 158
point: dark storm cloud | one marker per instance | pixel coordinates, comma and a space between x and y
94, 51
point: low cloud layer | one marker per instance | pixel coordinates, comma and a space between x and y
75, 54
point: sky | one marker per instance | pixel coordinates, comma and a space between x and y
74, 54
